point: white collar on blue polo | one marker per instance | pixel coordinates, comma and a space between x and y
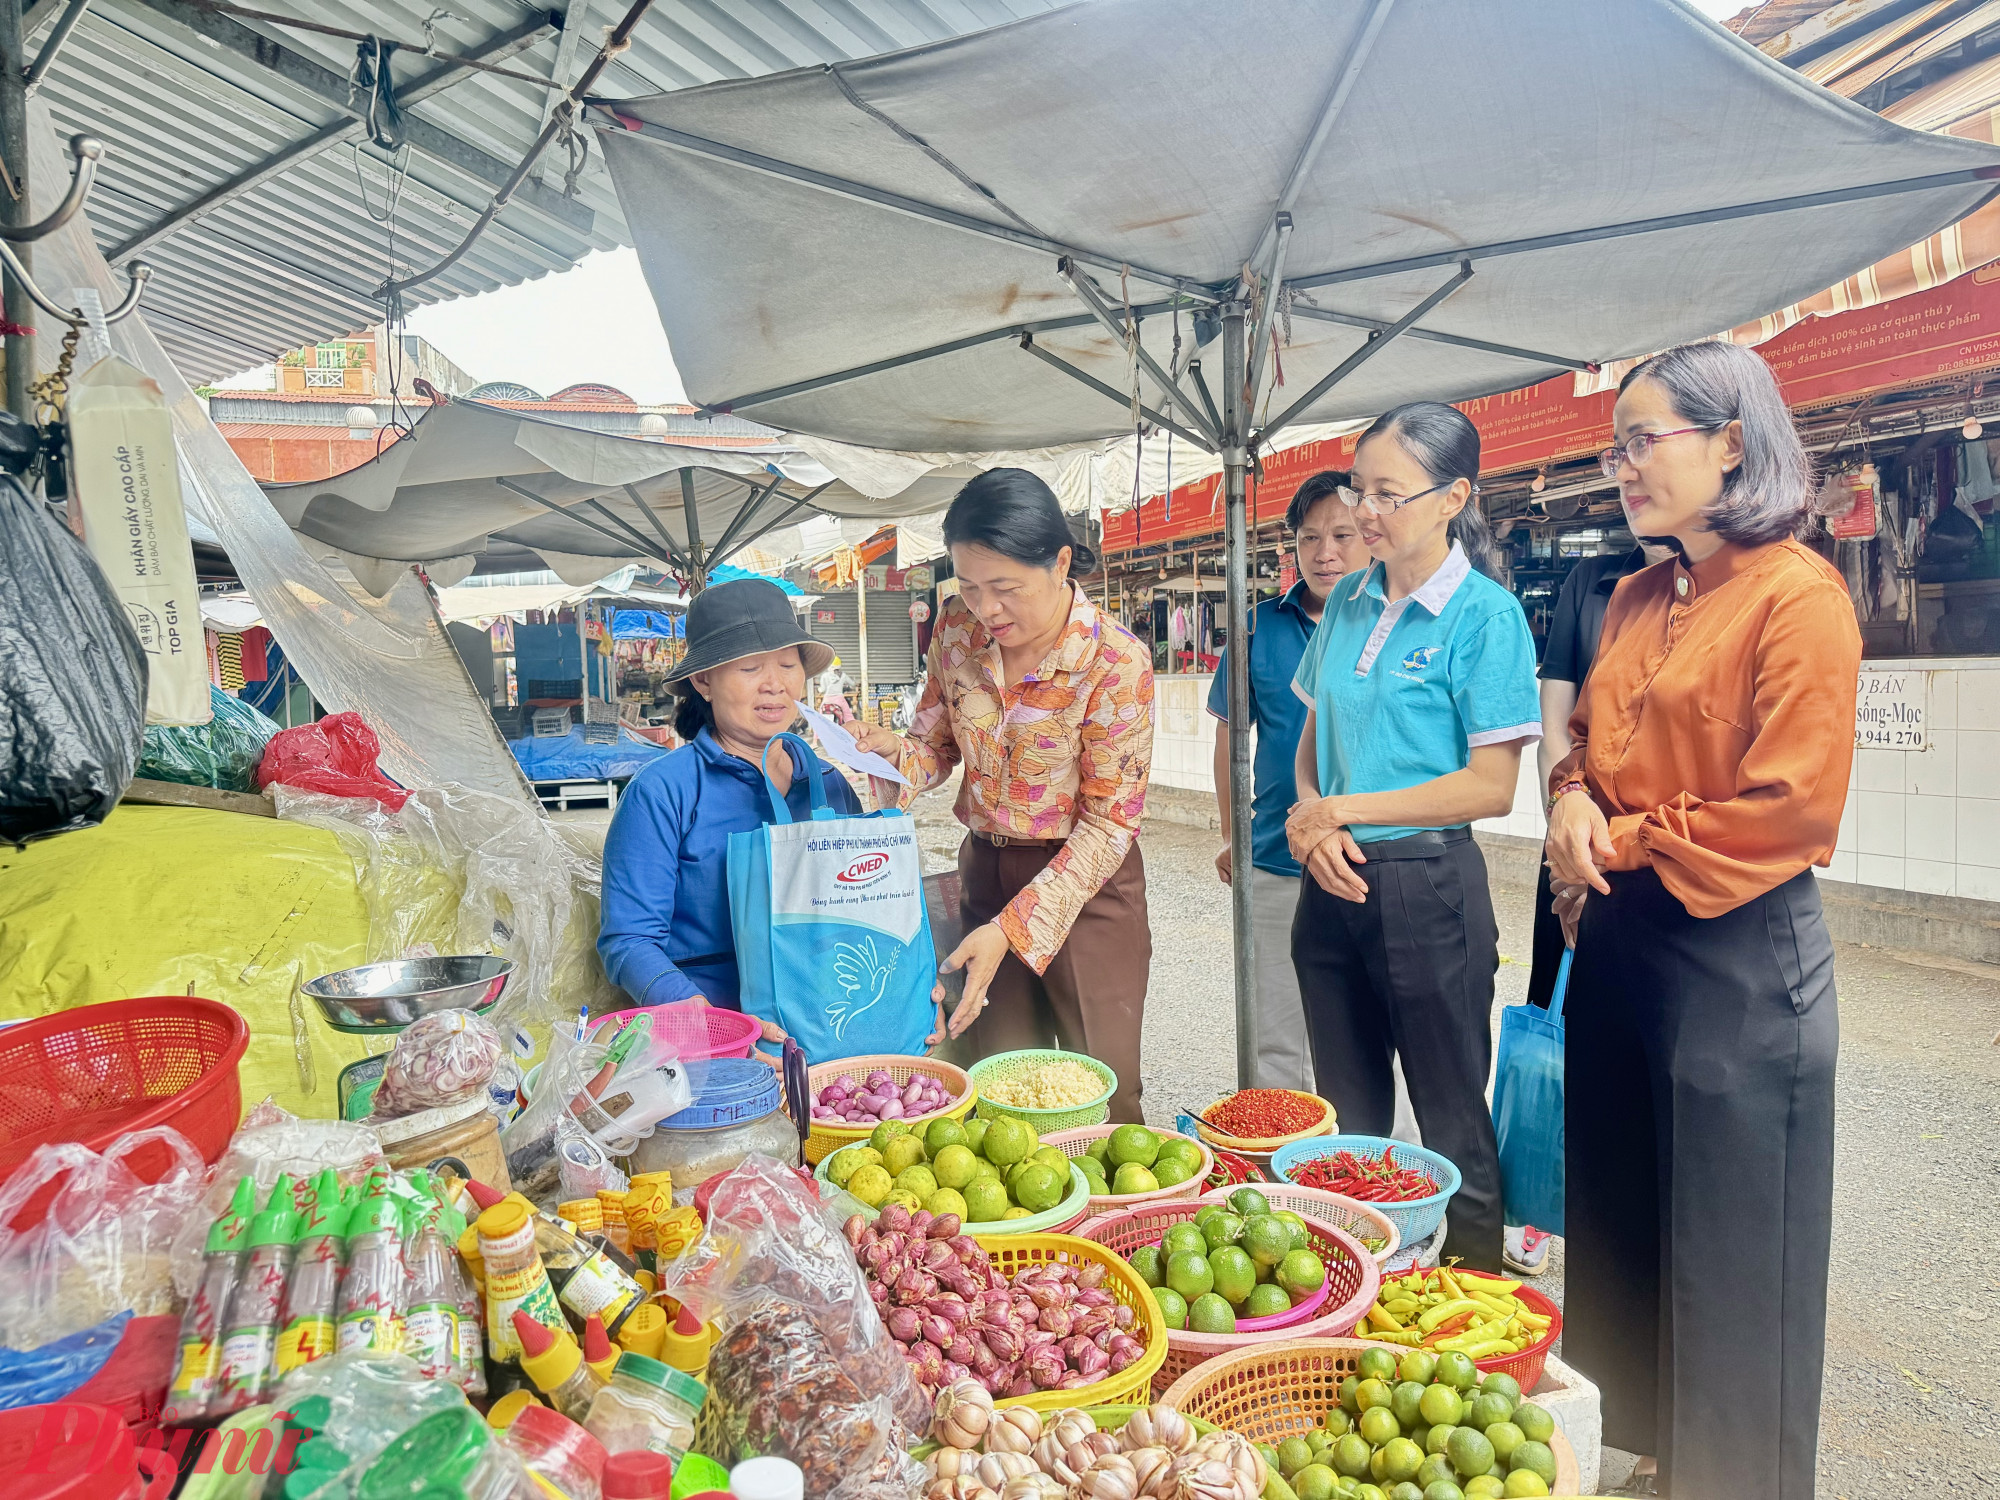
1434, 594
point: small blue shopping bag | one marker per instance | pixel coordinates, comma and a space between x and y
1528, 1109
832, 939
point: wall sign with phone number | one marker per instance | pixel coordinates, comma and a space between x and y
1890, 711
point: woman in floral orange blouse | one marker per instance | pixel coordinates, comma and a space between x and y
1048, 705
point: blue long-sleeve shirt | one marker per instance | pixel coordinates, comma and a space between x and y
665, 933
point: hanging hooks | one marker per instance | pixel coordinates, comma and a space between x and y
134, 289
88, 151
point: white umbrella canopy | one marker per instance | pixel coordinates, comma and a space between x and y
1024, 237
1618, 178
473, 475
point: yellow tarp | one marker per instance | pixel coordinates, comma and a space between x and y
172, 901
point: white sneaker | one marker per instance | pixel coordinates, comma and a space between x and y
1525, 1249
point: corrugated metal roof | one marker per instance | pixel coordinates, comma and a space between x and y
295, 258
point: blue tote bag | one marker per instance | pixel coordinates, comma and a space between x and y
1528, 1109
832, 939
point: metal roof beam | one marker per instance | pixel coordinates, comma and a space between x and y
504, 44
330, 88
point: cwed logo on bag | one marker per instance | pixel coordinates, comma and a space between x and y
832, 939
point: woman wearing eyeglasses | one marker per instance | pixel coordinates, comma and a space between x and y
1711, 750
1420, 693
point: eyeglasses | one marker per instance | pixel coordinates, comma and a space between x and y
1637, 448
1382, 505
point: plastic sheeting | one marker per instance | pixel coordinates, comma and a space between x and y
72, 678
647, 625
1158, 137
176, 901
568, 758
388, 659
222, 753
464, 872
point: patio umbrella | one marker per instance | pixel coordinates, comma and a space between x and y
1159, 210
472, 475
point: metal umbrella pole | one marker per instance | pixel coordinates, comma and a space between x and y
1235, 468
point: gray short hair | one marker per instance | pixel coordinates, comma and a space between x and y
1768, 497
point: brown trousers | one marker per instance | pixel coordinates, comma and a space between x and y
1093, 998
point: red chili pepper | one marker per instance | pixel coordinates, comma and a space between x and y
1261, 1114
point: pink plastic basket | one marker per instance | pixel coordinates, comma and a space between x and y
1352, 1282
697, 1032
1077, 1142
1360, 1220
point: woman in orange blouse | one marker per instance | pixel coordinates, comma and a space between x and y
1709, 768
1049, 707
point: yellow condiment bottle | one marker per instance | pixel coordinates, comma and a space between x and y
509, 1407
644, 1329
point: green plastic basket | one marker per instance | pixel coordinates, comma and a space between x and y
1065, 1213
1003, 1065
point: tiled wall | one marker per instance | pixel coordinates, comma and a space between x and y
1929, 820
1917, 820
1183, 734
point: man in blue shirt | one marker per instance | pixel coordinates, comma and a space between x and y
1328, 545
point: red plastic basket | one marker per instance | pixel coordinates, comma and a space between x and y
98, 1072
1525, 1367
697, 1032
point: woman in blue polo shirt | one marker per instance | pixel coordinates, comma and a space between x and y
1420, 693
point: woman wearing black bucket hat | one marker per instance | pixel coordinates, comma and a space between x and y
666, 934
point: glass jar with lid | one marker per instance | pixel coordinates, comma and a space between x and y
648, 1405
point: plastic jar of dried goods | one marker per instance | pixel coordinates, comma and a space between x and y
646, 1405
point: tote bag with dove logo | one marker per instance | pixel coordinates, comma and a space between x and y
832, 938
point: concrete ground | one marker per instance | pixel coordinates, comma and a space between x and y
1912, 1394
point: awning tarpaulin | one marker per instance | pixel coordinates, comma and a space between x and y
1024, 237
471, 475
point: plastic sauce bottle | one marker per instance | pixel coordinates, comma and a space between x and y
250, 1336
515, 1278
430, 1318
312, 1294
645, 1330
557, 1452
471, 1302
371, 1294
200, 1361
589, 1277
598, 1350
612, 1206
556, 1366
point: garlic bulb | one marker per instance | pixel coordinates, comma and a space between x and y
1037, 1486
949, 1462
1049, 1455
1207, 1479
995, 1469
962, 1415
1068, 1428
1111, 1477
1154, 1470
1159, 1426
1014, 1429
1242, 1457
963, 1487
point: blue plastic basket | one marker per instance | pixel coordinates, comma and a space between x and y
1418, 1219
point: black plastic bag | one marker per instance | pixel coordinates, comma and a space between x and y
223, 753
72, 678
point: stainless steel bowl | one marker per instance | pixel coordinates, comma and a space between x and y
388, 997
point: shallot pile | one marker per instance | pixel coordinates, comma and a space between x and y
1054, 1326
879, 1097
1011, 1453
